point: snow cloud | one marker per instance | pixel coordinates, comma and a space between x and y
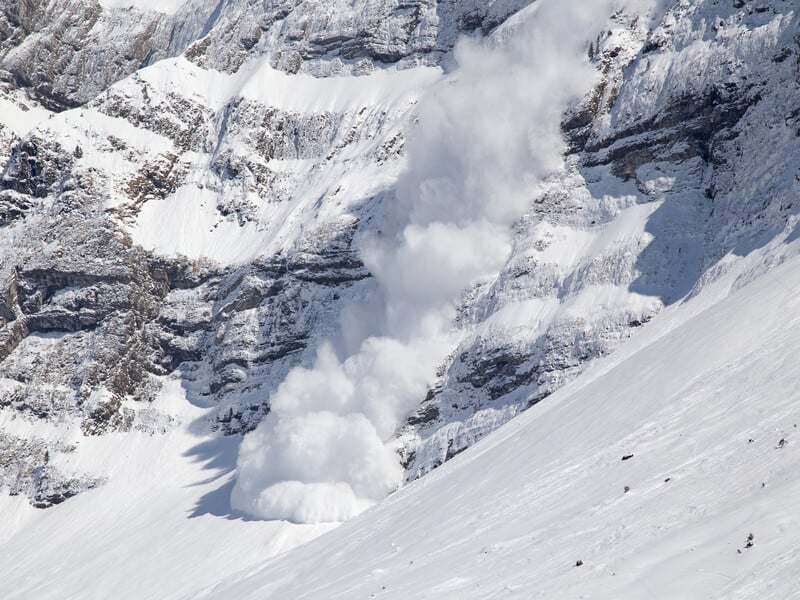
483, 140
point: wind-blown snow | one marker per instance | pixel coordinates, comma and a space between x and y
485, 137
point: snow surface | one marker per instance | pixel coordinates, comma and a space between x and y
162, 6
701, 401
20, 116
152, 531
189, 223
257, 80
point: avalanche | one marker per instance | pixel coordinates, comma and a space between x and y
485, 139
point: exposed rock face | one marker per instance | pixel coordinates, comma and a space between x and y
25, 469
678, 122
201, 217
68, 53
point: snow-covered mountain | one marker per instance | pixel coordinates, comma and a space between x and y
201, 201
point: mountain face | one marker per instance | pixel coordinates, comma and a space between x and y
101, 299
185, 194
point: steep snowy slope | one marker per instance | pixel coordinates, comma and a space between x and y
669, 470
683, 169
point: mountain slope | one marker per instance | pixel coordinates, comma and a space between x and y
187, 202
703, 401
508, 517
154, 529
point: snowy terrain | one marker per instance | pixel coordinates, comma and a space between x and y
155, 530
703, 398
255, 257
703, 402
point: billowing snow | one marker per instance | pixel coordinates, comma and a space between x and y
485, 139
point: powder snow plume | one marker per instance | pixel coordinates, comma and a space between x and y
485, 137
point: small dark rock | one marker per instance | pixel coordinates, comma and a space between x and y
424, 414
578, 563
782, 55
